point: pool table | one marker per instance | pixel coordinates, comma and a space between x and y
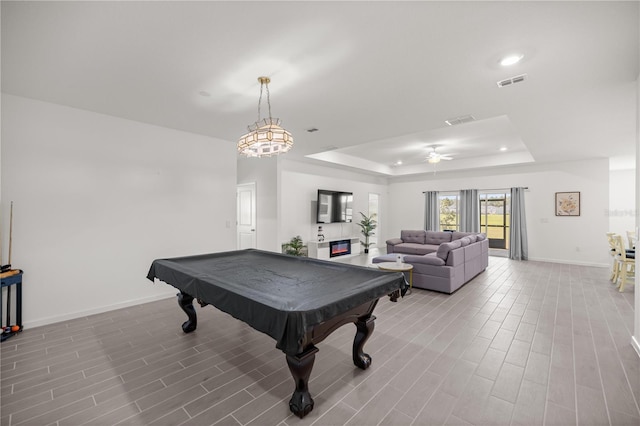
298, 301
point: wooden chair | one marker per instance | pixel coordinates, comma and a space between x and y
631, 238
626, 266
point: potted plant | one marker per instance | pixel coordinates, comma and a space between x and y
367, 225
294, 247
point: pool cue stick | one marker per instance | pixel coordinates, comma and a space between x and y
10, 233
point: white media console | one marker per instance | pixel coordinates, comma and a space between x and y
323, 249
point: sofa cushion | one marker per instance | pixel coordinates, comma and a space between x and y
457, 235
412, 248
408, 248
423, 260
437, 238
480, 237
432, 270
472, 238
390, 257
426, 248
394, 241
410, 236
445, 248
474, 250
464, 241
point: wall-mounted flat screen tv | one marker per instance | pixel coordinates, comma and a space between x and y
334, 206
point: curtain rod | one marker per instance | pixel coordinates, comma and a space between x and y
483, 190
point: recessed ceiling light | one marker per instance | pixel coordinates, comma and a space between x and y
504, 148
399, 163
511, 60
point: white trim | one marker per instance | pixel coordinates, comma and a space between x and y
635, 344
99, 310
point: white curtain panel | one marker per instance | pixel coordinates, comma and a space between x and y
518, 249
431, 211
469, 210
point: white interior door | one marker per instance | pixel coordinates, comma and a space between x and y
246, 212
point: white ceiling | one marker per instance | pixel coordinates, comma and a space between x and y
378, 79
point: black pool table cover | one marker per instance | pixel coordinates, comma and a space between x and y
280, 295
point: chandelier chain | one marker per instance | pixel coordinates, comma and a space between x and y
259, 102
266, 85
268, 99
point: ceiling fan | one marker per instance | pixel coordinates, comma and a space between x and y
434, 157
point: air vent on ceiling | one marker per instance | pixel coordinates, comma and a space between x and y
512, 80
460, 120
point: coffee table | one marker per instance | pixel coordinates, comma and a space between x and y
398, 267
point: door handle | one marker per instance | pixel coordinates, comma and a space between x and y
253, 230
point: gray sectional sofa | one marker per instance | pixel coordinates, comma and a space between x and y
442, 261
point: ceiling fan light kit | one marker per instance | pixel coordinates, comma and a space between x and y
266, 137
434, 157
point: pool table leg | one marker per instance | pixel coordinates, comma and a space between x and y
365, 327
300, 366
186, 303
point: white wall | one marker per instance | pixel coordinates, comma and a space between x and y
622, 202
264, 172
97, 198
578, 240
299, 184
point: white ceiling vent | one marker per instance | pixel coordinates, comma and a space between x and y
460, 120
512, 80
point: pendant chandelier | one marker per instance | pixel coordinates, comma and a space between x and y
265, 137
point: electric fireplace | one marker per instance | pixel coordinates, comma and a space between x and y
339, 248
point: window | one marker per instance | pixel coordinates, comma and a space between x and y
495, 218
449, 208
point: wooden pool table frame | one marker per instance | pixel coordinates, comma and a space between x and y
301, 364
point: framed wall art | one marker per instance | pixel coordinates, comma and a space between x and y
567, 204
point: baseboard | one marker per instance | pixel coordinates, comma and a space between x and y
570, 262
635, 344
99, 310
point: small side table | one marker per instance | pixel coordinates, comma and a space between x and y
9, 281
398, 267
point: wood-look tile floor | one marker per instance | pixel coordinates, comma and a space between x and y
524, 343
